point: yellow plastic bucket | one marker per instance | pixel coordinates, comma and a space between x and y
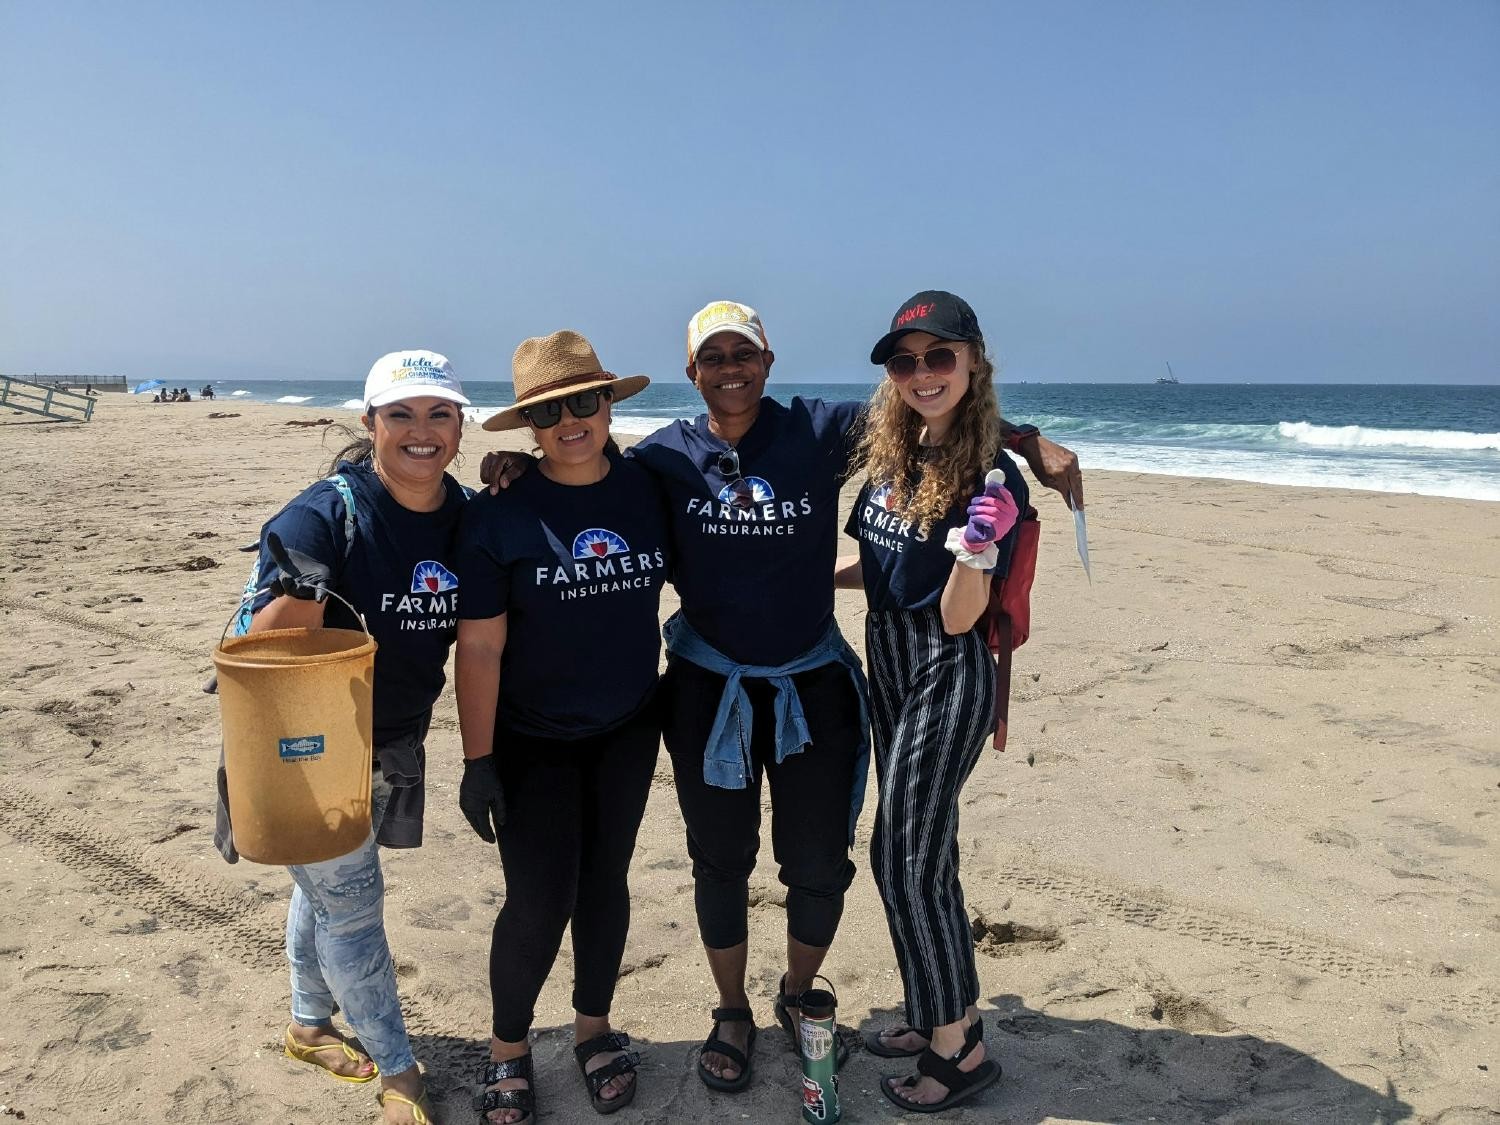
296, 711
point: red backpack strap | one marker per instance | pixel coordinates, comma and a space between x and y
1008, 616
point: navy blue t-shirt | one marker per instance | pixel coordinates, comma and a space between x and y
397, 573
578, 569
757, 584
902, 567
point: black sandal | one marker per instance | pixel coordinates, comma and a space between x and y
962, 1085
596, 1080
523, 1100
716, 1045
876, 1047
784, 1018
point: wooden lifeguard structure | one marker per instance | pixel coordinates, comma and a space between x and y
49, 402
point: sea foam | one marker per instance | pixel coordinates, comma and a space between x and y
1369, 437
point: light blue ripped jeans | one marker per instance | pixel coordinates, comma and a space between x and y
335, 941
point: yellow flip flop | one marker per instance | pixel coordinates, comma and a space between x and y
418, 1107
295, 1050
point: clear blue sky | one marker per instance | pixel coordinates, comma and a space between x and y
1260, 191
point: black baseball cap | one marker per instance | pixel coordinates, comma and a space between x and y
935, 311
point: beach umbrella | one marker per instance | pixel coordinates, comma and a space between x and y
148, 385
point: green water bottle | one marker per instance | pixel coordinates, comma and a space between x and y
819, 1051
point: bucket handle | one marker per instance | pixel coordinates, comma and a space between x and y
253, 594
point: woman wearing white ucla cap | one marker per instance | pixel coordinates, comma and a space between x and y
379, 533
560, 731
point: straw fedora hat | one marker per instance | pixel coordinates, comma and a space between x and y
556, 366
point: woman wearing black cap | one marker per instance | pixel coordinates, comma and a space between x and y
935, 523
560, 738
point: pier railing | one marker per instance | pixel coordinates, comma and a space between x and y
66, 382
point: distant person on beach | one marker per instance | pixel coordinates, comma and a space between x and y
207, 392
759, 682
379, 533
557, 702
933, 534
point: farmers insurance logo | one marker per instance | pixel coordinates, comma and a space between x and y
603, 563
882, 526
764, 515
598, 543
431, 603
760, 491
881, 497
431, 577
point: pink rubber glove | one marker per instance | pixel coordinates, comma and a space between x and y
990, 515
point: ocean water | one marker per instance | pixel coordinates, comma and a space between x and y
1429, 440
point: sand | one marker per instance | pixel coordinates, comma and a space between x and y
1251, 875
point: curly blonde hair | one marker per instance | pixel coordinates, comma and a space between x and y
923, 489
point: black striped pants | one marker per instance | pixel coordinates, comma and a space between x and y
932, 704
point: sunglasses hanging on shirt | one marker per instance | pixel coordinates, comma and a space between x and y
741, 494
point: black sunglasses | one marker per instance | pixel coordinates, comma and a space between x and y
740, 493
940, 361
584, 404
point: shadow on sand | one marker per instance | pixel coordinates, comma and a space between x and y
1097, 1070
1055, 1068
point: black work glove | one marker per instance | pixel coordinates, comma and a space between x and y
298, 575
480, 797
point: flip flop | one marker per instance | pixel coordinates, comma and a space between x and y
418, 1108
294, 1050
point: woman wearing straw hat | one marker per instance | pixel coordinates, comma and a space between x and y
559, 745
378, 532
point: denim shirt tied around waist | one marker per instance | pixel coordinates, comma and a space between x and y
726, 758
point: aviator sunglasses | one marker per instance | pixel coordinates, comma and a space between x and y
940, 361
584, 404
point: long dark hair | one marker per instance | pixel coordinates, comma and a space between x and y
358, 446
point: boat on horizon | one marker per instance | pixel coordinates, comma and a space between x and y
1169, 379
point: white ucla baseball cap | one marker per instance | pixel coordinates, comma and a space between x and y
412, 374
724, 316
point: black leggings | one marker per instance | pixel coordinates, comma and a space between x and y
810, 795
572, 811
